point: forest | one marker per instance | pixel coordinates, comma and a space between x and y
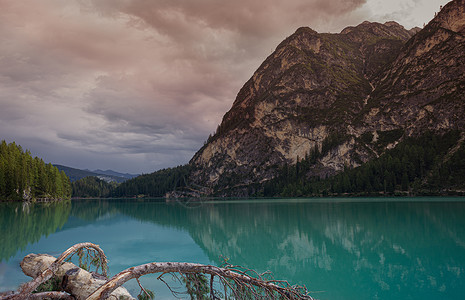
156, 184
92, 187
430, 164
23, 177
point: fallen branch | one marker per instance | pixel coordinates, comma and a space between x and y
41, 276
269, 288
82, 285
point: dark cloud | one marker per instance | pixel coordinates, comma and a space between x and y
138, 85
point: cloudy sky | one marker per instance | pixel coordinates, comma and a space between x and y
138, 85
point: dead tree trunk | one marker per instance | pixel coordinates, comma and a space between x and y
236, 282
47, 272
74, 280
43, 267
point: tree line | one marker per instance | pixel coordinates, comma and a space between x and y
416, 165
156, 184
23, 177
92, 187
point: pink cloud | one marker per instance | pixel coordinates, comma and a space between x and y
143, 80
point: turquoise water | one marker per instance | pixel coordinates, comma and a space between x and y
411, 248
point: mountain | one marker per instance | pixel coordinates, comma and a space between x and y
108, 176
373, 110
349, 96
312, 86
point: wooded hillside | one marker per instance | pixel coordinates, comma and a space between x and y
23, 177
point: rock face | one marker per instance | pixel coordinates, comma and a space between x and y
423, 87
373, 80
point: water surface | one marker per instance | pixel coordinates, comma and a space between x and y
339, 248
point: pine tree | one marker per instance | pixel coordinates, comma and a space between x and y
23, 177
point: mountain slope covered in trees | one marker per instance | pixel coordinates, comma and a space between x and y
156, 184
92, 187
23, 177
426, 165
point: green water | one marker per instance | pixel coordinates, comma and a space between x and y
339, 248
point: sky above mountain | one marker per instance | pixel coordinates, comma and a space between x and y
138, 85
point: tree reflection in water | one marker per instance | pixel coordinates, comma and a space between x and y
367, 249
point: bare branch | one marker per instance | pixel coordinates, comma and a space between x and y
243, 280
142, 289
167, 285
212, 291
237, 282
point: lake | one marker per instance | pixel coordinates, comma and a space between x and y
358, 248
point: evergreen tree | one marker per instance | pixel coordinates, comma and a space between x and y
91, 187
156, 184
23, 177
413, 165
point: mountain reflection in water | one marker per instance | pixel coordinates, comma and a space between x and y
344, 249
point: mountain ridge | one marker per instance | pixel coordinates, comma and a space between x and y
109, 176
325, 104
114, 173
369, 78
298, 61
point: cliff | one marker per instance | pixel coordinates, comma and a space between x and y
318, 90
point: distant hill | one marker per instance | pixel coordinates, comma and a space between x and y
108, 175
113, 173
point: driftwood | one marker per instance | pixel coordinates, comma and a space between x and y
75, 281
231, 282
52, 269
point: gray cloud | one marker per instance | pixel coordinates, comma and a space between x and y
137, 85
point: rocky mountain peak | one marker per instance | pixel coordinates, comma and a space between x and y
303, 38
389, 29
451, 17
427, 75
327, 91
393, 24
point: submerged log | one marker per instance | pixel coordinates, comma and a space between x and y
75, 281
